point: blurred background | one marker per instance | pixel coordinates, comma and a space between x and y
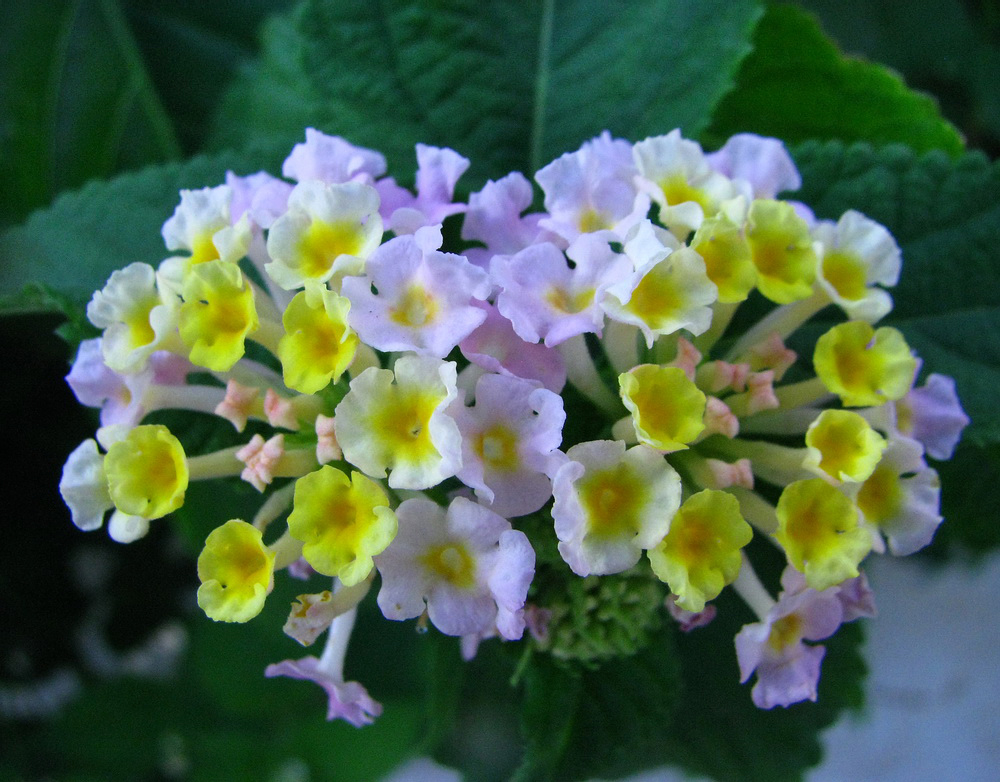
107, 672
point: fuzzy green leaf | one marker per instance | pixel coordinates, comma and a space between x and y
72, 246
796, 86
509, 85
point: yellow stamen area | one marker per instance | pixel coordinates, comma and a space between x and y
728, 260
677, 190
203, 249
318, 345
657, 298
785, 632
140, 331
415, 308
570, 303
844, 445
592, 220
452, 563
864, 366
497, 447
236, 570
782, 251
322, 243
147, 472
881, 496
402, 421
818, 528
846, 273
217, 314
701, 552
613, 501
668, 409
342, 523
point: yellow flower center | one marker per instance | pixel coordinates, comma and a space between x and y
881, 496
846, 274
403, 421
570, 303
612, 500
497, 447
785, 632
322, 243
677, 190
592, 220
452, 563
416, 308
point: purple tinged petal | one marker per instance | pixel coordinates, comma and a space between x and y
348, 701
788, 682
495, 346
856, 598
763, 162
332, 159
936, 416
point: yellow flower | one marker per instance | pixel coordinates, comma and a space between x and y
819, 531
236, 571
728, 260
782, 251
701, 552
343, 523
843, 445
147, 472
668, 409
402, 426
318, 345
217, 314
864, 366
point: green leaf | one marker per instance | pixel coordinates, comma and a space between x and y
796, 86
509, 85
76, 101
72, 246
957, 61
970, 503
551, 700
611, 721
193, 51
945, 215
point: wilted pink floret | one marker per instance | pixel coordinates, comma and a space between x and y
591, 189
934, 416
547, 300
424, 297
763, 162
349, 701
438, 169
508, 442
787, 669
332, 160
495, 346
465, 566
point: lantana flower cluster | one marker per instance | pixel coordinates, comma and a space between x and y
574, 396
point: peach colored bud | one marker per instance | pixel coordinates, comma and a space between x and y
279, 411
261, 458
725, 474
719, 419
238, 404
327, 449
